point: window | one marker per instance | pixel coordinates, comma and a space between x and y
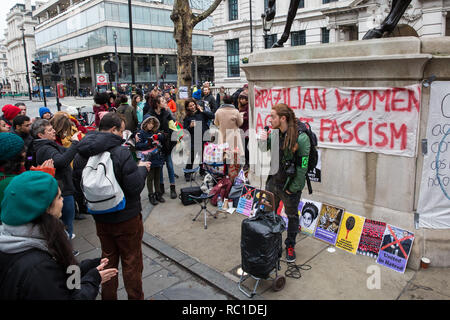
269, 40
325, 35
232, 10
302, 4
328, 1
298, 38
233, 58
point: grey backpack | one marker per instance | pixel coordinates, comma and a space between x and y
101, 190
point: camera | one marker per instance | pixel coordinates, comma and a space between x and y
289, 168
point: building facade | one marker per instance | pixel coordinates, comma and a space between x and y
83, 35
20, 30
4, 72
236, 34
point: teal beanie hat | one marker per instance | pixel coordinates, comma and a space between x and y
27, 197
10, 145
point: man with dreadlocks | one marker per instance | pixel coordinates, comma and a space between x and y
288, 181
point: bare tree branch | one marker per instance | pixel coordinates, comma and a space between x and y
202, 16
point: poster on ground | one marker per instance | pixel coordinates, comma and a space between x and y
371, 236
282, 212
395, 248
328, 225
309, 215
350, 232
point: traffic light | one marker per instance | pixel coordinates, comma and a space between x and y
37, 69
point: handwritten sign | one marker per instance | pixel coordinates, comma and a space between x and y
382, 120
434, 198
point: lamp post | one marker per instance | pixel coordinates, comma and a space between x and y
267, 25
116, 57
130, 20
26, 60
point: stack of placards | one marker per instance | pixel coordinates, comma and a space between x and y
389, 245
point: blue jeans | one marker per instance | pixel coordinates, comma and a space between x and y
169, 164
68, 214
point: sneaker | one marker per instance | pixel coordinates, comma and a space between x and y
75, 253
290, 254
73, 236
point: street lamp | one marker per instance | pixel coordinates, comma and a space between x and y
130, 21
116, 57
26, 60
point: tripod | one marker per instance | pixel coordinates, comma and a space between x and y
202, 200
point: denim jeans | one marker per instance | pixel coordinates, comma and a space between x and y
68, 214
169, 164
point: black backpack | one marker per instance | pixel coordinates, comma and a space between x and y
313, 154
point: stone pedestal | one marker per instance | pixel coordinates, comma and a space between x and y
378, 186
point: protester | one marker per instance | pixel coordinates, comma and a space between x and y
111, 102
236, 94
12, 159
138, 105
150, 138
208, 100
46, 148
101, 105
243, 109
23, 108
170, 102
34, 250
9, 113
120, 232
293, 157
128, 112
162, 113
21, 127
3, 126
196, 116
228, 120
219, 97
45, 113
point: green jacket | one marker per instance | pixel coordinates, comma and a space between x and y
296, 183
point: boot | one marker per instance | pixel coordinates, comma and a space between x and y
152, 199
159, 197
173, 193
162, 188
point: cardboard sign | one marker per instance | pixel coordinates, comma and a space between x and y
328, 225
309, 215
371, 236
350, 232
395, 248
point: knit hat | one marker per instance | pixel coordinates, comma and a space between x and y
197, 95
27, 197
10, 145
43, 110
10, 111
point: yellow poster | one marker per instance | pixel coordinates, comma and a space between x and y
350, 232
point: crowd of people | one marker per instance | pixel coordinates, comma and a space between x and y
42, 162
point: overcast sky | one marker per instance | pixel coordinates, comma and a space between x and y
6, 5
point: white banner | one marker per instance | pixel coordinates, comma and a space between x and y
382, 120
434, 199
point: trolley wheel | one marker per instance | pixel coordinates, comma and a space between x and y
278, 283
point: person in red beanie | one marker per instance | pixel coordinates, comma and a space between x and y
9, 113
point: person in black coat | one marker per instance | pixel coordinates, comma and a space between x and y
208, 100
196, 116
46, 148
120, 232
36, 260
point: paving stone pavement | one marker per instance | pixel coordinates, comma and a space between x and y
162, 278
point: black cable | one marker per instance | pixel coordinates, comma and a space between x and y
293, 270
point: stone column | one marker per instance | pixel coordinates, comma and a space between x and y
77, 75
93, 77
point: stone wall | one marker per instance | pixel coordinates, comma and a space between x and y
376, 186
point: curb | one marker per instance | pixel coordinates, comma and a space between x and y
193, 265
